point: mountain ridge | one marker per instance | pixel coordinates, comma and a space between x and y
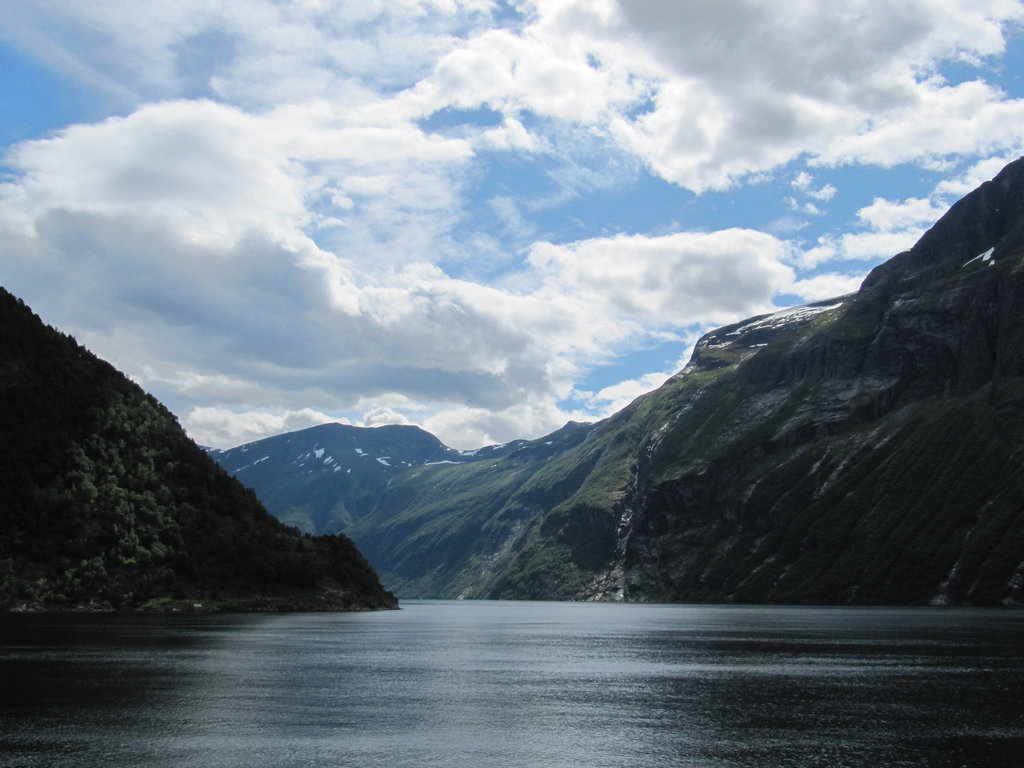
863, 449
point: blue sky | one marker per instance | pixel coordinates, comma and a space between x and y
485, 218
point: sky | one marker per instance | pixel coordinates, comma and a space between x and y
486, 218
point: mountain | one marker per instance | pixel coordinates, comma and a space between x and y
867, 449
435, 520
105, 503
333, 473
326, 478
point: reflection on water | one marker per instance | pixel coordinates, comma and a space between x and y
516, 684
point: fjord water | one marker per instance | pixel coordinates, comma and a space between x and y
516, 684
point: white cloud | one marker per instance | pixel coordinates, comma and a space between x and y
563, 65
803, 181
940, 121
672, 280
865, 246
267, 234
973, 177
838, 81
381, 416
511, 134
706, 94
892, 216
224, 428
255, 53
886, 227
809, 209
467, 428
614, 398
877, 246
209, 172
826, 286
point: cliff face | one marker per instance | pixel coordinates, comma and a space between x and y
872, 455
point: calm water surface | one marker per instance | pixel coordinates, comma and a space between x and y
516, 684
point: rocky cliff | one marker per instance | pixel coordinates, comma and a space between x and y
872, 455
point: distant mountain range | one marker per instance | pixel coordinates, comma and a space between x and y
326, 478
105, 503
867, 449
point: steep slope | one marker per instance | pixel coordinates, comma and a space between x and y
449, 529
433, 520
867, 449
106, 503
874, 454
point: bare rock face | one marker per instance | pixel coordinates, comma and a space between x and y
881, 458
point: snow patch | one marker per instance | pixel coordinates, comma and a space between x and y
774, 321
383, 460
253, 464
985, 257
319, 453
784, 316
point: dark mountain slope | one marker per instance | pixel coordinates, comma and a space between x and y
106, 503
875, 456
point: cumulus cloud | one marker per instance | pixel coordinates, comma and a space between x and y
208, 171
892, 216
958, 186
254, 53
826, 286
278, 225
885, 228
614, 398
676, 279
222, 427
381, 416
804, 181
469, 428
217, 284
842, 82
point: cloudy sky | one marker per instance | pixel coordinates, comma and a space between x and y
482, 217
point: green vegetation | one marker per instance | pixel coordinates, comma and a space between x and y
106, 503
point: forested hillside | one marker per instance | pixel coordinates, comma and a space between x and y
106, 503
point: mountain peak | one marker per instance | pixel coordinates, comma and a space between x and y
986, 220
